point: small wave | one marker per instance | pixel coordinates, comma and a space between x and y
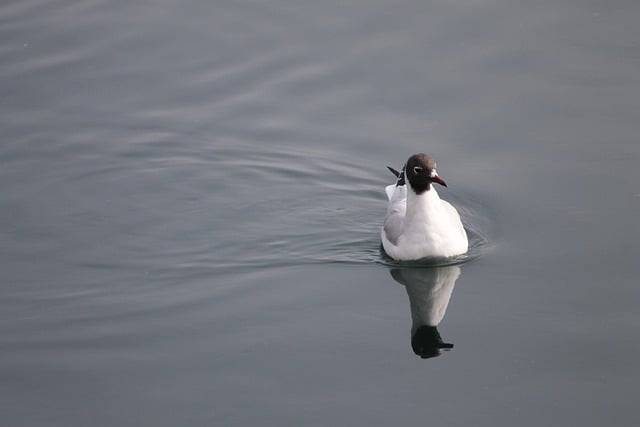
325, 211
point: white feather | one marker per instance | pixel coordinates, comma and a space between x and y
421, 226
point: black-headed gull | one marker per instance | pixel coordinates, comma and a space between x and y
419, 224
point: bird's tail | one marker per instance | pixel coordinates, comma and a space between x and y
394, 172
398, 174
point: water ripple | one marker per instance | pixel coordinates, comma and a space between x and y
309, 207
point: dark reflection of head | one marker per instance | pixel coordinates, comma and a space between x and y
426, 342
429, 291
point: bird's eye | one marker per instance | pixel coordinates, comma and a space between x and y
417, 169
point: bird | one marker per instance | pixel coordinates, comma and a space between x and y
418, 223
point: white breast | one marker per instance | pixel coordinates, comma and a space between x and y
421, 226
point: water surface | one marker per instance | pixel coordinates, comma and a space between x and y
191, 195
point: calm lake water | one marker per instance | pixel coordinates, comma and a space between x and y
191, 193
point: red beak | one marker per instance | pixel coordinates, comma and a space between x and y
439, 180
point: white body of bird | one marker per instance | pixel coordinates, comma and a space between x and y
418, 223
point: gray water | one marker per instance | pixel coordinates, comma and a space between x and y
191, 193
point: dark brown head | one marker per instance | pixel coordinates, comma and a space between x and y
420, 172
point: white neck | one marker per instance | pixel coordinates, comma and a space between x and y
421, 208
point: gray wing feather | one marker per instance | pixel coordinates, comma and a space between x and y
395, 212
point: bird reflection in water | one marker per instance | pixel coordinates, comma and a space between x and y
429, 291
